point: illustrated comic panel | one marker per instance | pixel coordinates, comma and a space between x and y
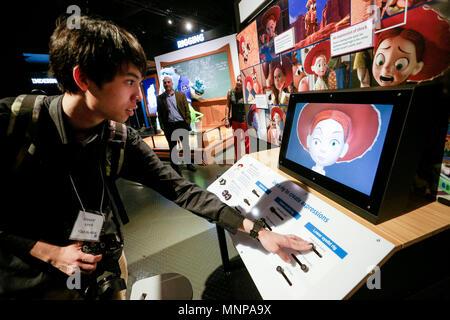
277, 79
252, 83
313, 68
248, 50
315, 20
272, 22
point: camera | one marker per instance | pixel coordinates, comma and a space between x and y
105, 280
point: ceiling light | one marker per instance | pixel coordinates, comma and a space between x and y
202, 30
188, 26
169, 21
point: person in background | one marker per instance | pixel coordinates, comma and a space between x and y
236, 115
173, 113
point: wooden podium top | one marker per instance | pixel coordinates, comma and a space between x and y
402, 231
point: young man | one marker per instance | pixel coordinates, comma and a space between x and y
60, 191
173, 114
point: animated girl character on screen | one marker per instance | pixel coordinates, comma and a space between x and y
281, 74
249, 91
316, 62
334, 133
417, 51
269, 23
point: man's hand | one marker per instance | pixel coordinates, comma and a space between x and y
66, 258
274, 242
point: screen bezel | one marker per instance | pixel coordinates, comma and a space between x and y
400, 98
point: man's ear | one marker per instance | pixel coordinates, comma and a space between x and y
80, 78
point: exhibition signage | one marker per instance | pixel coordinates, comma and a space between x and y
190, 41
284, 41
355, 38
345, 252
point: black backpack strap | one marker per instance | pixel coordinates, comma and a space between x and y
115, 151
23, 120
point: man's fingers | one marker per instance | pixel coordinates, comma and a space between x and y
298, 243
89, 258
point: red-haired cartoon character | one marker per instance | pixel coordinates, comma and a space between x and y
417, 51
316, 62
334, 133
249, 91
244, 49
280, 73
256, 86
269, 23
276, 126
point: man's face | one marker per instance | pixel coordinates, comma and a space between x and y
116, 100
279, 79
395, 61
326, 143
168, 84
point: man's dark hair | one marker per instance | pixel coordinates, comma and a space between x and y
99, 47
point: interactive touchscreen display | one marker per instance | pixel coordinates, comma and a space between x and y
340, 141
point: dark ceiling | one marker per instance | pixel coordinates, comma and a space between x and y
27, 25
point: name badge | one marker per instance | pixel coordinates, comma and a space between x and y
87, 227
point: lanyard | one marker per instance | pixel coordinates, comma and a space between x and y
103, 192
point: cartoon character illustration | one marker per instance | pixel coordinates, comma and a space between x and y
249, 91
195, 117
361, 64
316, 62
197, 89
280, 76
334, 133
256, 86
276, 126
300, 79
311, 17
392, 7
244, 48
417, 51
269, 23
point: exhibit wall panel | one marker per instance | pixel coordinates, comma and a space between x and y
202, 48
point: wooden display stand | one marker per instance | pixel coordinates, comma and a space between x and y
402, 231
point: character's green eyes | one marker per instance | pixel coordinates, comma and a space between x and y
334, 143
379, 59
401, 64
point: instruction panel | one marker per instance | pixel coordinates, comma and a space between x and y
344, 252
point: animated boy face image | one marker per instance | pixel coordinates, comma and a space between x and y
334, 133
